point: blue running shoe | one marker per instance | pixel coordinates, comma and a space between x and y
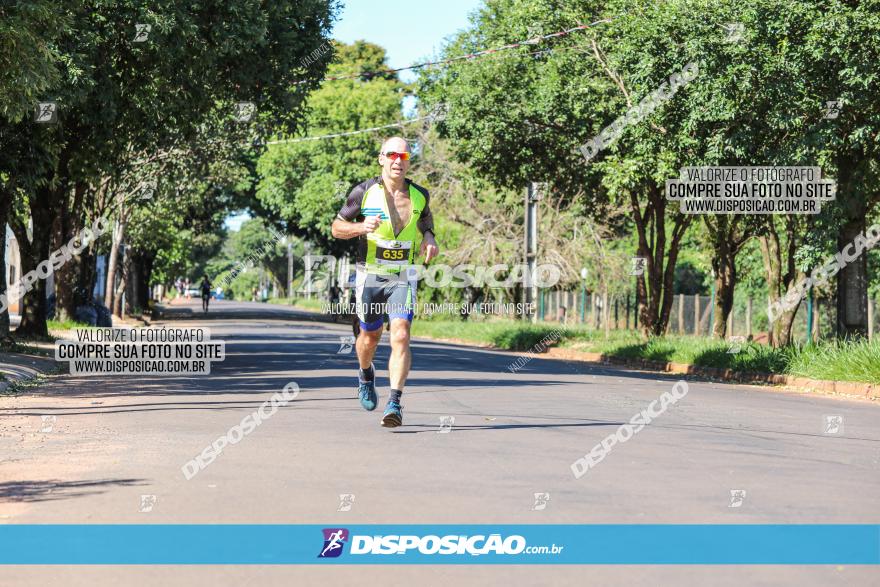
367, 393
393, 416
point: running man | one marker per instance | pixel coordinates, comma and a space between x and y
387, 214
206, 293
334, 542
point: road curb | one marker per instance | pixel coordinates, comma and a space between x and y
19, 368
849, 388
166, 313
864, 390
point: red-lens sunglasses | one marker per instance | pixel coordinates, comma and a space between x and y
394, 155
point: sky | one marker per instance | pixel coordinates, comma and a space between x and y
410, 32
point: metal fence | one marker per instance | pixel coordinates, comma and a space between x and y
690, 314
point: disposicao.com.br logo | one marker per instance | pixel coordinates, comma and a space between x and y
334, 540
480, 544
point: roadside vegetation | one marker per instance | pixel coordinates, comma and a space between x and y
65, 325
831, 360
313, 305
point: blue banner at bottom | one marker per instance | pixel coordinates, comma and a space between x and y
147, 544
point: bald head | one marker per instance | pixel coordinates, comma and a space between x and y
394, 167
397, 144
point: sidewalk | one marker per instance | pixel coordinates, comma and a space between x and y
18, 367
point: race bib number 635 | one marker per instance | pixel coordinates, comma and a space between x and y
392, 252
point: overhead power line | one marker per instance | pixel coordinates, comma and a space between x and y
474, 55
437, 116
353, 132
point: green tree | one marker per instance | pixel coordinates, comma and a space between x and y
518, 117
255, 242
28, 31
305, 183
521, 117
28, 55
153, 95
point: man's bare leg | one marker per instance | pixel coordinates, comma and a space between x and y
366, 345
401, 358
398, 368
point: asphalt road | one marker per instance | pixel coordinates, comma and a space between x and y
114, 440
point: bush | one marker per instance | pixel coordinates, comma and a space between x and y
832, 360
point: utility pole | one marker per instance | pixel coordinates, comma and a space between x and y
308, 270
342, 272
531, 243
810, 315
289, 268
123, 250
583, 293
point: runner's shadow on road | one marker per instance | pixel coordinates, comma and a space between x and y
222, 311
168, 406
457, 428
414, 381
53, 489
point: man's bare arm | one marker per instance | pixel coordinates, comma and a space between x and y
345, 230
429, 248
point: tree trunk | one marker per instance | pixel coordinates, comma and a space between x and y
123, 281
852, 285
143, 286
681, 225
648, 283
148, 277
779, 284
68, 276
88, 275
118, 232
724, 265
727, 235
784, 324
133, 293
43, 208
852, 280
654, 288
85, 279
33, 303
5, 206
